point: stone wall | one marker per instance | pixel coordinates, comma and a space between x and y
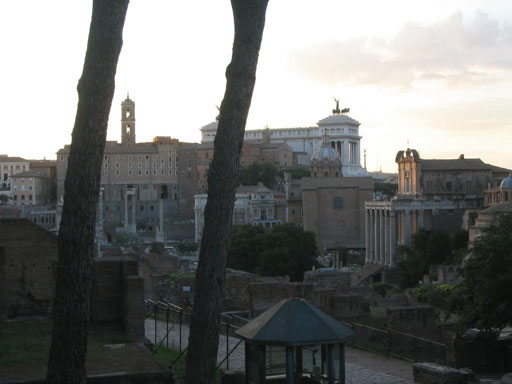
3, 287
28, 265
29, 252
430, 373
417, 321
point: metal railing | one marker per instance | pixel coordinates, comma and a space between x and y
175, 316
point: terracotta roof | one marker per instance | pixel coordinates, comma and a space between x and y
8, 159
505, 207
30, 174
454, 165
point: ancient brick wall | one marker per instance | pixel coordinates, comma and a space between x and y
29, 253
418, 321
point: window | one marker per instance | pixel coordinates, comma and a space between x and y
105, 165
117, 173
129, 157
140, 172
469, 185
337, 202
139, 164
449, 186
117, 157
22, 197
117, 165
15, 197
176, 172
154, 172
61, 157
30, 197
141, 207
105, 172
105, 157
129, 165
147, 157
147, 172
22, 187
139, 157
130, 172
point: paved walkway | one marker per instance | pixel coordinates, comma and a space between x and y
362, 367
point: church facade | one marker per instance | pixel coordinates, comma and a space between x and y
432, 194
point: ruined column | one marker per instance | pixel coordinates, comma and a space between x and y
126, 221
377, 237
382, 228
367, 240
372, 237
407, 227
392, 240
386, 237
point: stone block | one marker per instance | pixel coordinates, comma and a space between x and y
431, 373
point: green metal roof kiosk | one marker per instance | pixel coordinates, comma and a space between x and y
294, 343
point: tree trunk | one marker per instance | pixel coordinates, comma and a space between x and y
71, 308
249, 19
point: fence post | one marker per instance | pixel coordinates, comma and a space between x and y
388, 342
181, 313
156, 312
167, 327
227, 344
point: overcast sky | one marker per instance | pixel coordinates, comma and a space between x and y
431, 75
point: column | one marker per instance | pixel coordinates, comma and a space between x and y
382, 228
126, 221
420, 218
377, 238
386, 238
367, 240
407, 227
134, 214
371, 235
392, 239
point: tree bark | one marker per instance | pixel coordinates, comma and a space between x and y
71, 308
249, 20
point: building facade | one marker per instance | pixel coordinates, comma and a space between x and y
343, 132
254, 205
141, 182
432, 194
30, 188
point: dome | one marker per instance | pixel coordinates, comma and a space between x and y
326, 152
507, 182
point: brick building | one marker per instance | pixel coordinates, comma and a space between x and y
432, 194
141, 181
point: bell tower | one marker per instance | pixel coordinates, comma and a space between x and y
128, 122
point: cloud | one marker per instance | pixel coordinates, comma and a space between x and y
449, 52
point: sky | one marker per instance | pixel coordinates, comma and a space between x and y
431, 75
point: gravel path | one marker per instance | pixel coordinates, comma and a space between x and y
362, 367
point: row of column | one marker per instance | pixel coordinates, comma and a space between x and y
380, 236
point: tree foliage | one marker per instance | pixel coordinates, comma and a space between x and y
429, 248
487, 284
386, 189
285, 249
187, 247
296, 172
265, 172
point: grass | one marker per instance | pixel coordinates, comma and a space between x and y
25, 345
24, 341
167, 356
377, 311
